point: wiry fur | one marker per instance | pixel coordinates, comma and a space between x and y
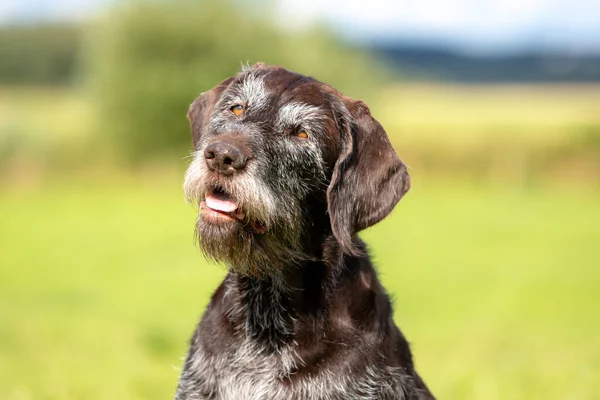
237, 246
301, 314
261, 361
263, 190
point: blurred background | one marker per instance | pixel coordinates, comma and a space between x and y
492, 259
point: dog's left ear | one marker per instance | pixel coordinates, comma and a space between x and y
368, 178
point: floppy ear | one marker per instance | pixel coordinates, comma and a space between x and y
202, 108
368, 178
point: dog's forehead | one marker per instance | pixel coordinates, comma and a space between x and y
278, 86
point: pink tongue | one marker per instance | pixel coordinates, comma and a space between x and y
220, 204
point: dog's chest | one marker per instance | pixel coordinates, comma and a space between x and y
248, 373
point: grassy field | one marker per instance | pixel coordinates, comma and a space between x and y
101, 285
519, 133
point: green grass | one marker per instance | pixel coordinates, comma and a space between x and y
517, 133
471, 111
495, 287
49, 112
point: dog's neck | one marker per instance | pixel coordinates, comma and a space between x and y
267, 307
263, 309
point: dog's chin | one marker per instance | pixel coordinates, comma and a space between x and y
220, 232
225, 239
217, 224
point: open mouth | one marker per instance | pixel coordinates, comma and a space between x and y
219, 206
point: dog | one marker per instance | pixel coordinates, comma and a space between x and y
286, 170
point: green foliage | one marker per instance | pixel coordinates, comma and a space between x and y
39, 54
149, 60
42, 129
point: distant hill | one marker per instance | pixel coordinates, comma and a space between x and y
449, 65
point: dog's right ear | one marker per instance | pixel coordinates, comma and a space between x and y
202, 108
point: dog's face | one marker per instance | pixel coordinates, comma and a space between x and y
281, 160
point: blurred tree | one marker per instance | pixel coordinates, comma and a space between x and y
39, 54
149, 59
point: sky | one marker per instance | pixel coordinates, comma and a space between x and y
470, 25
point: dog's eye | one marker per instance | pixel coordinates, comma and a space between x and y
302, 134
238, 109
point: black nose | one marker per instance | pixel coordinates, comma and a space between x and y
225, 158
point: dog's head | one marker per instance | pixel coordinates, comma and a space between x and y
281, 161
